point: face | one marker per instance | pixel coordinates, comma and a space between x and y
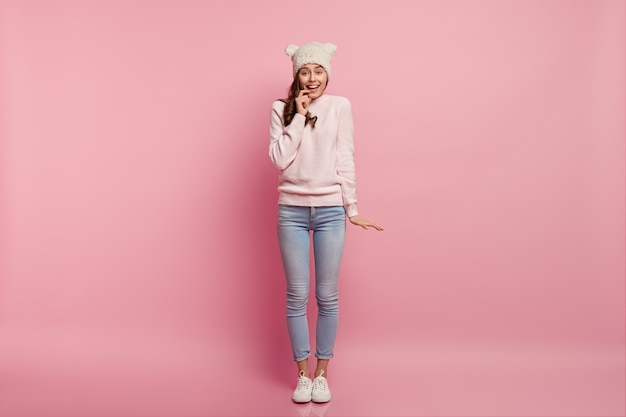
313, 77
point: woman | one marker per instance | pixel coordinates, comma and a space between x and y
311, 143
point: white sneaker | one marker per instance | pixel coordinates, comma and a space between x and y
302, 393
320, 393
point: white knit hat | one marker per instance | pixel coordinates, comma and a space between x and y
311, 53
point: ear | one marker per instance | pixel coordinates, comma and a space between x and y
331, 48
291, 49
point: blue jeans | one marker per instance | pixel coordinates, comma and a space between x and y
328, 225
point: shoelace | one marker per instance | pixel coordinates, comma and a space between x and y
303, 381
320, 382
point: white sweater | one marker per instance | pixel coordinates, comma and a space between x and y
316, 164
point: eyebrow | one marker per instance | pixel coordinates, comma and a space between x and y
307, 69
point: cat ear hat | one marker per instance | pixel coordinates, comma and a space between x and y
311, 53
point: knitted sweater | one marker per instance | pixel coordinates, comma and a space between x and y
316, 164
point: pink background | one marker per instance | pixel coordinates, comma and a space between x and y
139, 270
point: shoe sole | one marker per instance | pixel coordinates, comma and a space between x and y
318, 401
301, 401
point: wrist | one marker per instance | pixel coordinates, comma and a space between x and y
351, 210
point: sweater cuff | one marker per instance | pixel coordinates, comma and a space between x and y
296, 115
351, 210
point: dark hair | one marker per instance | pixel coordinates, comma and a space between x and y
290, 104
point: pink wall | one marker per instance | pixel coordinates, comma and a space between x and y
137, 194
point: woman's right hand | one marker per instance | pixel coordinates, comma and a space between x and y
302, 102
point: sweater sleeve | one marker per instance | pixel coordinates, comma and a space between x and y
284, 141
345, 159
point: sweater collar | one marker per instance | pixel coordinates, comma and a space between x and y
319, 101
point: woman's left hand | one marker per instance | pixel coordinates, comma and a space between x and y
364, 223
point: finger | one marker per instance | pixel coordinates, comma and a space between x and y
303, 99
375, 226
